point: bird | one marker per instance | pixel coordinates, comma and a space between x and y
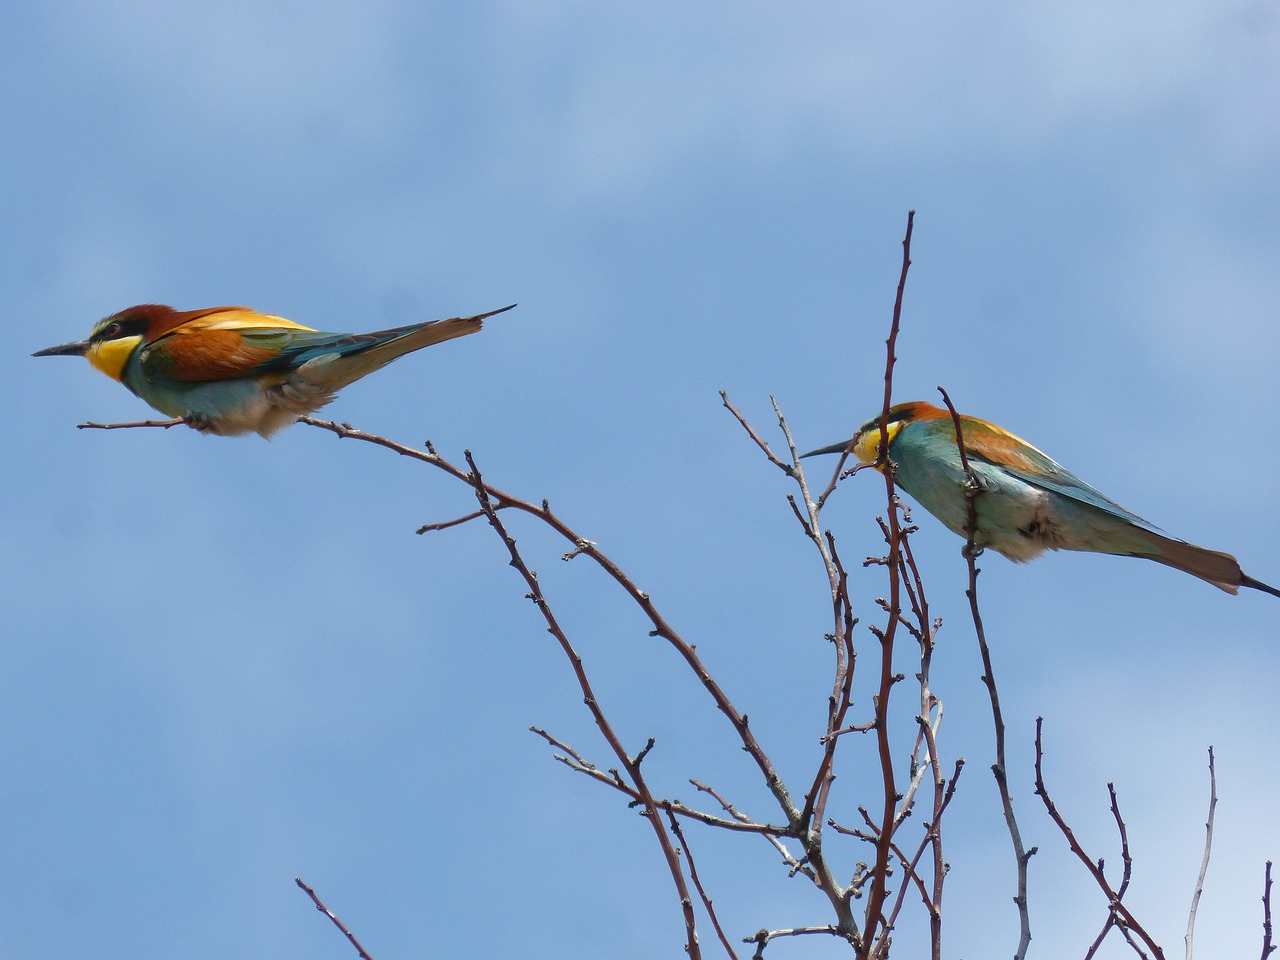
1027, 503
229, 371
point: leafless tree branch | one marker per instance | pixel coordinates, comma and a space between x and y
1267, 946
1021, 855
1123, 918
900, 788
1204, 861
336, 922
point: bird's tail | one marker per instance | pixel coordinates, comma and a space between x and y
346, 360
1220, 569
437, 331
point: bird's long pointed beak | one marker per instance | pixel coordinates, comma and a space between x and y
840, 447
77, 349
494, 313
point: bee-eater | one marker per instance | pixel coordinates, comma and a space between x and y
230, 370
1027, 503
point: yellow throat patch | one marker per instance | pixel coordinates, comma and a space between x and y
110, 356
867, 445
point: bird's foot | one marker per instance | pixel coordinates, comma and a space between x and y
198, 422
972, 551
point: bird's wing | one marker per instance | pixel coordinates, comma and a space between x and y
997, 446
194, 356
234, 342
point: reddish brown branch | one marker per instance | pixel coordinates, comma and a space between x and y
1127, 871
697, 883
1124, 919
446, 524
874, 921
630, 763
661, 628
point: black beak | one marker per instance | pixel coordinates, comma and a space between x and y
840, 447
77, 349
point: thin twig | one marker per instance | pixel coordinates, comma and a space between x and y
630, 763
1127, 871
1021, 855
875, 922
929, 720
697, 883
1130, 923
446, 524
759, 441
932, 837
773, 836
809, 820
611, 778
336, 922
166, 424
1204, 861
661, 628
1267, 946
761, 939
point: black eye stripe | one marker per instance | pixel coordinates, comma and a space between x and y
123, 327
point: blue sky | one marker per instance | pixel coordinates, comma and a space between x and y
230, 662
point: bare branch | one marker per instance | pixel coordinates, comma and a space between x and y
1124, 919
499, 499
1204, 861
457, 521
1021, 855
932, 838
697, 883
1127, 862
755, 437
874, 918
773, 836
572, 759
336, 922
166, 424
761, 939
1267, 946
631, 764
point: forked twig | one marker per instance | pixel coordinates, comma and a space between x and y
629, 762
1124, 919
697, 883
1127, 872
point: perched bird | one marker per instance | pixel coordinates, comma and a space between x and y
230, 370
1028, 503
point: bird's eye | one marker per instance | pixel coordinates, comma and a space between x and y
110, 331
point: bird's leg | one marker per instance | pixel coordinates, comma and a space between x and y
972, 550
197, 421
